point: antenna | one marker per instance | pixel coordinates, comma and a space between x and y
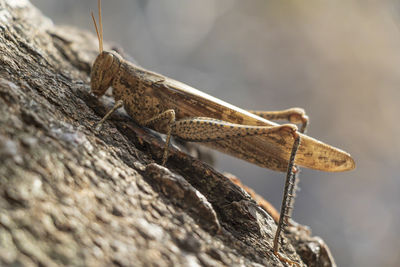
99, 33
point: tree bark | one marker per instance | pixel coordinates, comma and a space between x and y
72, 196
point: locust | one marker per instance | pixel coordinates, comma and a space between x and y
176, 109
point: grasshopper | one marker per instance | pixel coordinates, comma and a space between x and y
176, 109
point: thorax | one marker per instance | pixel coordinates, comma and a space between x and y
134, 87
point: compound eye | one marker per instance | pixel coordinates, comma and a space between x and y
108, 60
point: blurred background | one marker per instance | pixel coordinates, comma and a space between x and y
339, 60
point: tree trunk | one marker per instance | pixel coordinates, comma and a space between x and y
72, 196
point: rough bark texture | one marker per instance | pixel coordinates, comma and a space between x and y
72, 196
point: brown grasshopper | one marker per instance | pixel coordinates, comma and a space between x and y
173, 108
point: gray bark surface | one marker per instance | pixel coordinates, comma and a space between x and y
72, 196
